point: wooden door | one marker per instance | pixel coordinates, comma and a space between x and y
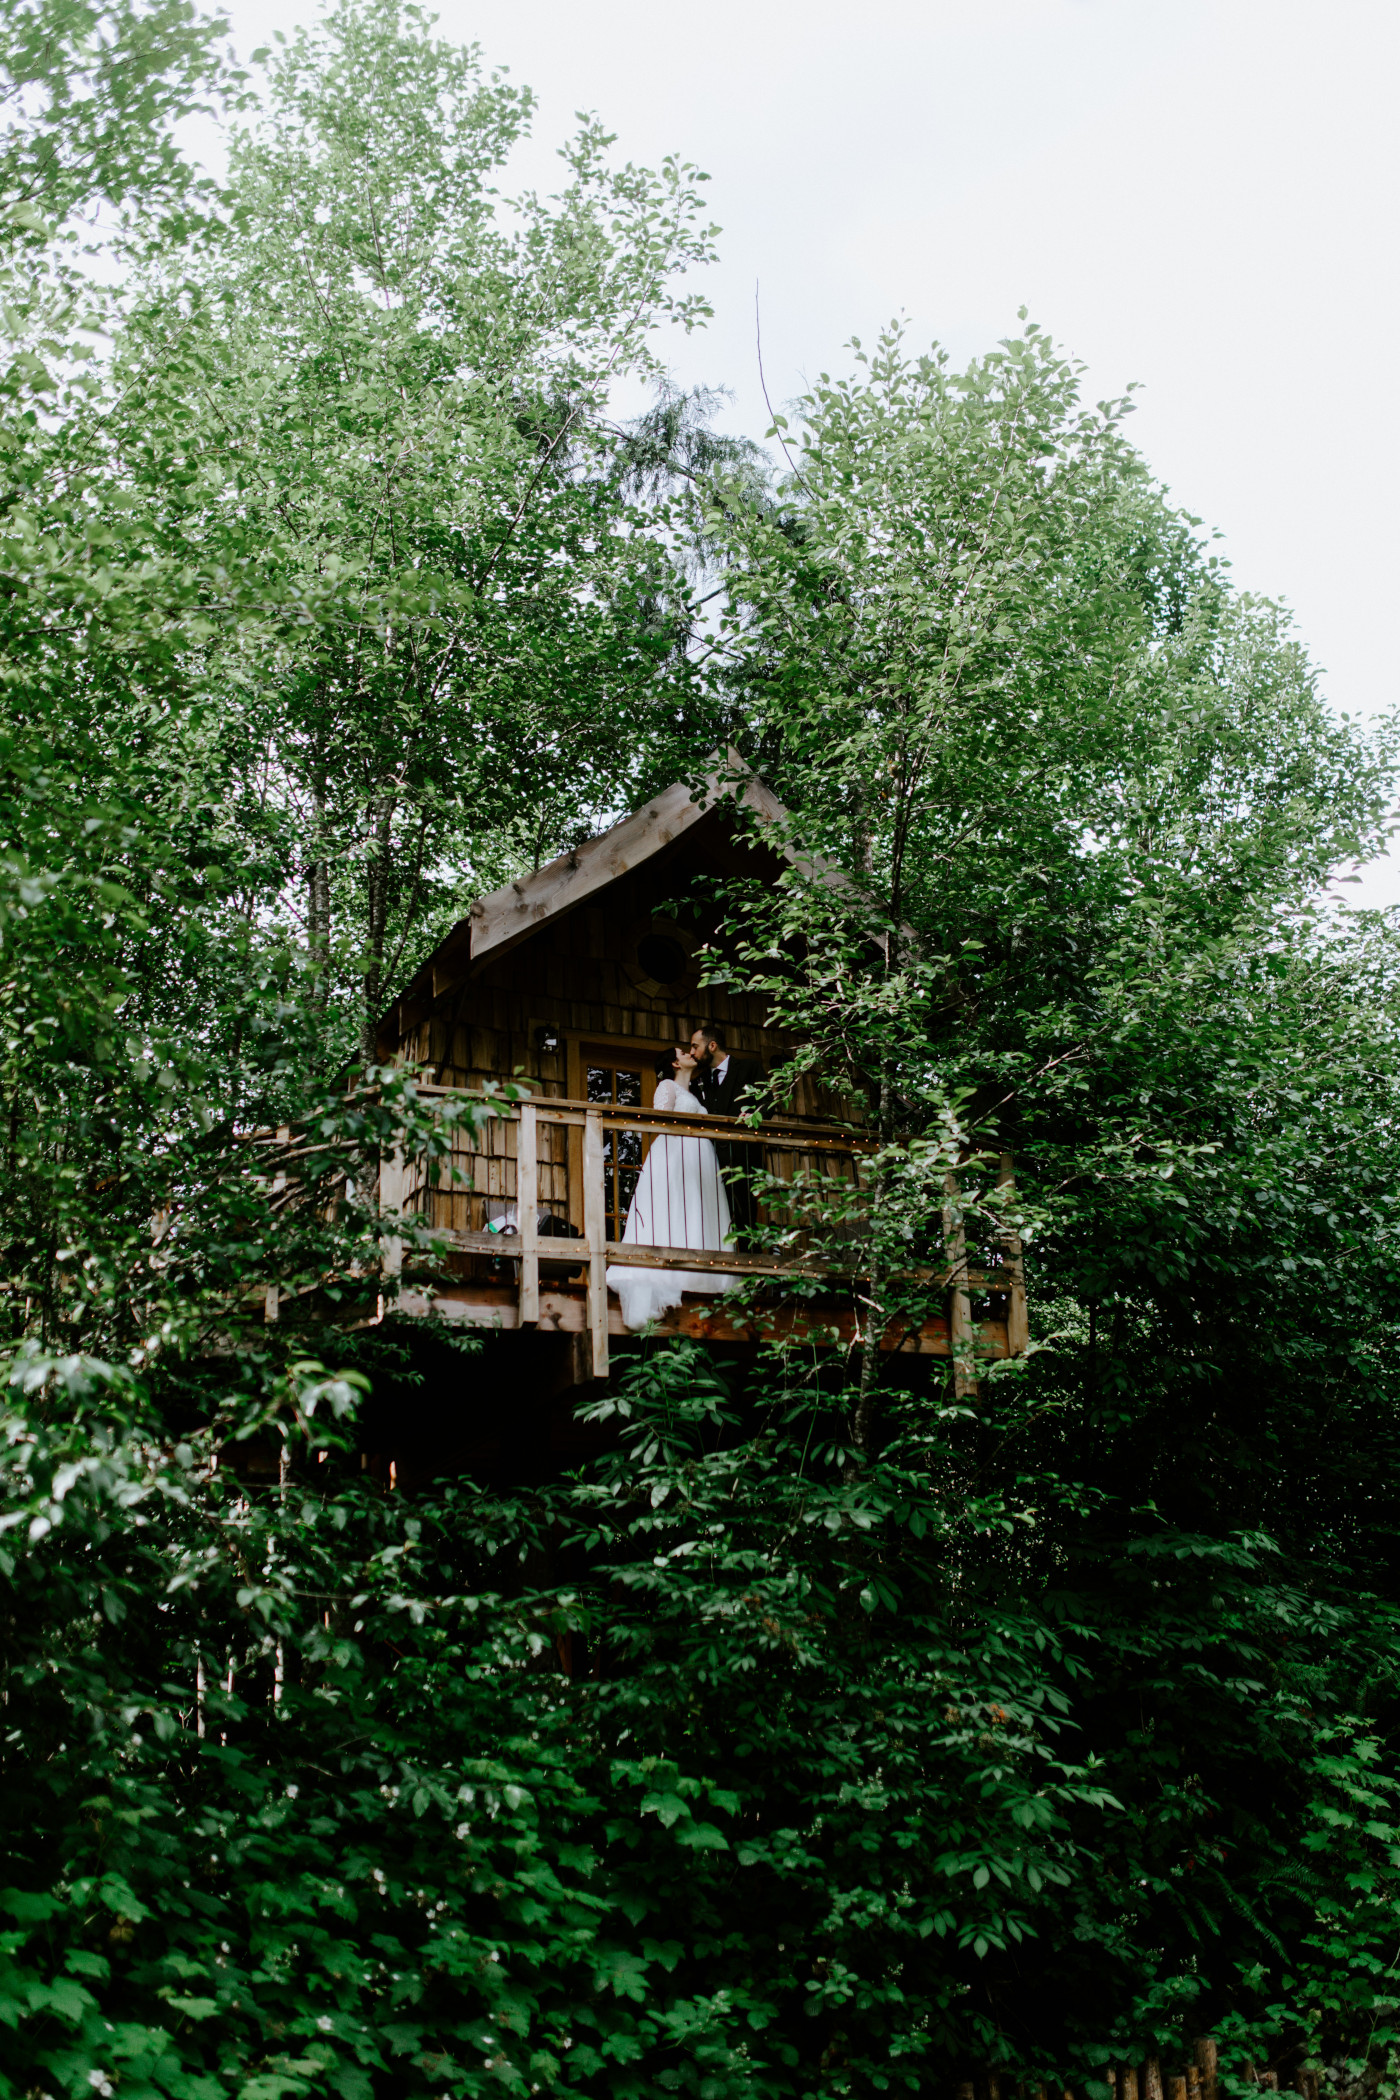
617, 1078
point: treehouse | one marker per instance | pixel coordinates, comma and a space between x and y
571, 983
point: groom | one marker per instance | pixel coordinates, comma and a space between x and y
722, 1080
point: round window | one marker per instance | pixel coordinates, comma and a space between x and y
662, 958
659, 959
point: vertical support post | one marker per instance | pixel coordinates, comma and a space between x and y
393, 1188
393, 1180
1208, 2064
527, 1199
1018, 1328
959, 1303
595, 1227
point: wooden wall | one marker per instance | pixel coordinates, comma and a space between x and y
572, 975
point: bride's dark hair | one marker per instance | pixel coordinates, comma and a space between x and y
666, 1067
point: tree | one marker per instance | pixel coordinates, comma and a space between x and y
1088, 798
315, 576
1029, 1719
396, 430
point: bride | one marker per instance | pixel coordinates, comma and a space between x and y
679, 1201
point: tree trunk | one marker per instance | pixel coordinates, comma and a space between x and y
376, 926
318, 897
863, 1425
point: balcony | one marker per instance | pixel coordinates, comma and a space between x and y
531, 1216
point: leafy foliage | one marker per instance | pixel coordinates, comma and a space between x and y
837, 1725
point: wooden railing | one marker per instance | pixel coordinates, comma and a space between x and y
576, 1162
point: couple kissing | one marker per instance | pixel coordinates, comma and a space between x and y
690, 1192
706, 1068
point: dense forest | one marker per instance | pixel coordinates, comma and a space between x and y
1031, 1725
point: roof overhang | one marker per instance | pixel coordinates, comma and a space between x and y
511, 914
500, 921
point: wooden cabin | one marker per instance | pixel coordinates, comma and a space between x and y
583, 967
572, 982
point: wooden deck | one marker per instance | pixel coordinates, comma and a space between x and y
575, 1161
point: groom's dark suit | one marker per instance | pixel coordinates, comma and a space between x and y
725, 1097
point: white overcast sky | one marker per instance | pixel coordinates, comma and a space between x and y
1199, 195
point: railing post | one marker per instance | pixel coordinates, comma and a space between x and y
393, 1177
527, 1198
1208, 2064
1018, 1326
959, 1303
595, 1226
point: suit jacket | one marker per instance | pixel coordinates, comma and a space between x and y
728, 1099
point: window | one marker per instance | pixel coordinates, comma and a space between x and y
658, 958
662, 958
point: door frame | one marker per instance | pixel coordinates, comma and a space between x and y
624, 1050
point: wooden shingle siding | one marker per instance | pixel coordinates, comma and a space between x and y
473, 1022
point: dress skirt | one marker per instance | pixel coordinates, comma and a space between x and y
680, 1201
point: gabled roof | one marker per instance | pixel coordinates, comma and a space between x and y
508, 915
497, 922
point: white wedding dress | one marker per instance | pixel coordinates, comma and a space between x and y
679, 1201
